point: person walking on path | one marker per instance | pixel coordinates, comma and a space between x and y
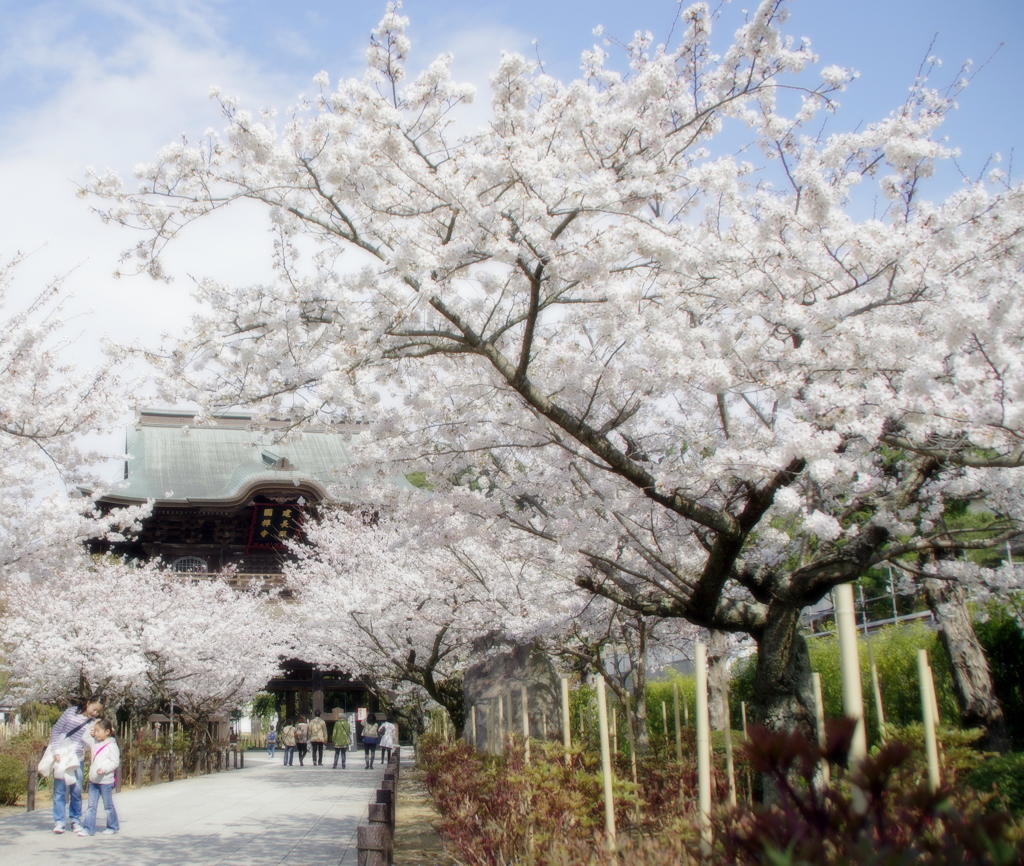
302, 739
341, 736
69, 732
106, 758
288, 741
317, 738
271, 743
370, 742
388, 734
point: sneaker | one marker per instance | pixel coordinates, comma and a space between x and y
81, 831
76, 827
58, 828
109, 832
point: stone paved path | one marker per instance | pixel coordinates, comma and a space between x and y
262, 815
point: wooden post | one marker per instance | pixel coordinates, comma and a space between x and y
934, 696
664, 722
241, 760
679, 733
631, 738
524, 706
30, 797
615, 731
703, 749
927, 715
471, 733
139, 769
729, 766
374, 845
876, 689
849, 662
501, 724
743, 712
819, 718
566, 733
686, 712
606, 762
544, 723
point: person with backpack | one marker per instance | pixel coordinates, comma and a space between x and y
67, 743
341, 736
271, 743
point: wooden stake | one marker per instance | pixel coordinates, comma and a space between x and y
472, 726
686, 711
631, 737
501, 724
606, 762
876, 689
849, 662
729, 766
566, 734
819, 718
927, 710
664, 722
524, 705
679, 733
703, 749
743, 712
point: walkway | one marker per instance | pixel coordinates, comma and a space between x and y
262, 815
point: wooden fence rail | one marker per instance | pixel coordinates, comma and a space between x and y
375, 840
157, 768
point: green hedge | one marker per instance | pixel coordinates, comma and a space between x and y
1003, 774
1003, 640
13, 779
895, 649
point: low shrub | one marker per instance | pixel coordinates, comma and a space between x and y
895, 650
883, 813
1002, 775
499, 809
13, 779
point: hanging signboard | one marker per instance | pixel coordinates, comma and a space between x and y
273, 525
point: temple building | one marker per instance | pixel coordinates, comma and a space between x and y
226, 498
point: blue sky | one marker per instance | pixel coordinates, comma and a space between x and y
107, 82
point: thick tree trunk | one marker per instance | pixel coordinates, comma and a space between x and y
972, 680
718, 677
783, 694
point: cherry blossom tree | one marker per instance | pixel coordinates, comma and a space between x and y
721, 380
143, 636
47, 407
399, 605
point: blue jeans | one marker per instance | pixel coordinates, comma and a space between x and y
107, 793
61, 789
289, 755
270, 749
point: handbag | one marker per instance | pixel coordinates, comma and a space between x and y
46, 763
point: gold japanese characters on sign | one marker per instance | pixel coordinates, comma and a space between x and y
272, 525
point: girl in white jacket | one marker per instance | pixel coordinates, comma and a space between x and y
106, 758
